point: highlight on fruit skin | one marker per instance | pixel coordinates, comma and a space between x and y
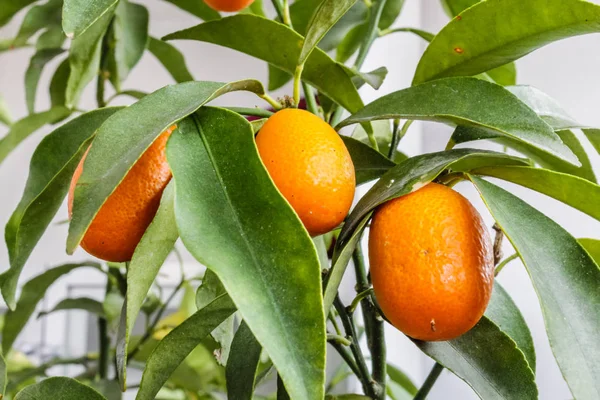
122, 220
228, 5
432, 263
311, 167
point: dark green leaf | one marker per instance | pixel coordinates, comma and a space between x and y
59, 387
58, 84
323, 19
197, 8
115, 150
400, 384
455, 7
545, 106
488, 360
21, 129
351, 43
503, 312
5, 117
593, 247
458, 101
3, 375
278, 45
84, 54
130, 35
150, 254
266, 261
579, 193
390, 13
505, 75
171, 59
374, 78
81, 303
52, 166
346, 397
566, 280
179, 343
80, 15
467, 45
277, 77
10, 8
37, 18
369, 164
33, 73
33, 291
242, 364
593, 136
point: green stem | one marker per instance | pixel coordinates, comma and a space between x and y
256, 112
338, 339
334, 323
102, 73
397, 136
286, 14
279, 9
104, 356
372, 33
374, 326
359, 297
274, 103
504, 263
348, 322
309, 95
337, 116
297, 82
347, 357
429, 382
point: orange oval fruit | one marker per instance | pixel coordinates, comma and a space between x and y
125, 215
228, 5
432, 263
311, 167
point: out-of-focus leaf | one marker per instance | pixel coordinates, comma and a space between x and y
280, 46
150, 254
81, 303
351, 43
5, 117
546, 107
390, 13
399, 385
369, 164
197, 8
566, 280
277, 77
3, 375
179, 343
115, 151
503, 312
267, 264
136, 94
382, 131
37, 18
84, 54
593, 136
419, 32
33, 291
51, 38
455, 7
242, 365
129, 31
58, 84
50, 171
80, 15
488, 360
108, 388
171, 59
505, 75
33, 73
9, 9
59, 387
467, 45
592, 246
21, 129
458, 101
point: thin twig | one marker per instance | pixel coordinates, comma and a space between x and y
498, 243
429, 382
504, 263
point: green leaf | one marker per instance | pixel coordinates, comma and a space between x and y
374, 78
277, 77
33, 291
59, 387
369, 164
546, 107
323, 19
566, 280
390, 13
592, 246
171, 59
351, 43
346, 397
130, 36
115, 151
80, 15
503, 312
179, 343
37, 18
10, 8
455, 7
3, 375
406, 177
488, 360
505, 75
579, 193
108, 388
243, 364
150, 254
266, 261
21, 129
84, 54
280, 46
58, 84
467, 45
51, 38
382, 131
197, 8
400, 384
81, 303
427, 36
34, 72
458, 101
5, 117
50, 171
593, 136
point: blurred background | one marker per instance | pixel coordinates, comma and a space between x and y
568, 71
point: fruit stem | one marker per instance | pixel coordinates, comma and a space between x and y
429, 382
374, 327
274, 103
297, 82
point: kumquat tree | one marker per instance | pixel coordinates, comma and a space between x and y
271, 201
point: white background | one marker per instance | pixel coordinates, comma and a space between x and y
568, 71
